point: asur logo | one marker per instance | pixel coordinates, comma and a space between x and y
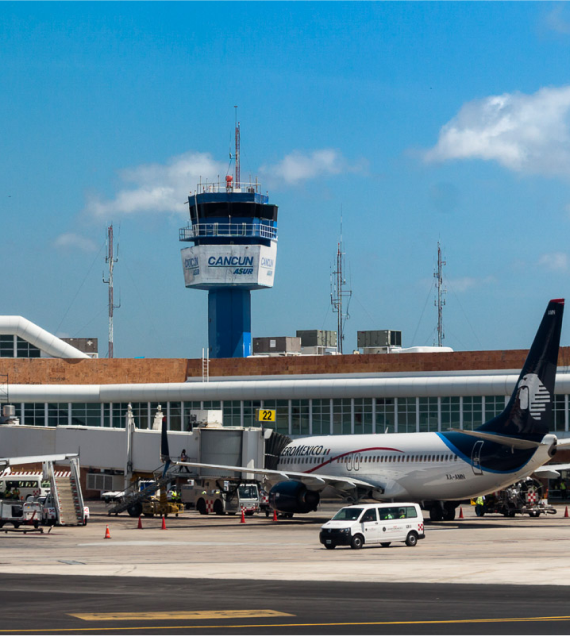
533, 395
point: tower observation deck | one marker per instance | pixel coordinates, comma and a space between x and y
233, 228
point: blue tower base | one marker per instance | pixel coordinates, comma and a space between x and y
229, 322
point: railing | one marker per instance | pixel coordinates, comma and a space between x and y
200, 230
225, 186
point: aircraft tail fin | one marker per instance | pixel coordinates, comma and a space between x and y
528, 413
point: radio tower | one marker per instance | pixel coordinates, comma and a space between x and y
440, 301
238, 143
109, 259
338, 292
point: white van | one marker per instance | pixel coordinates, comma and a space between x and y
372, 524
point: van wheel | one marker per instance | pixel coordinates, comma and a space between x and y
329, 547
357, 542
412, 539
201, 507
385, 544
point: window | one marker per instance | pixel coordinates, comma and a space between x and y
385, 415
559, 413
35, 414
406, 415
141, 414
6, 346
428, 414
321, 417
281, 408
450, 415
26, 350
188, 420
175, 416
472, 412
342, 415
362, 415
58, 414
232, 413
299, 417
494, 405
250, 408
86, 414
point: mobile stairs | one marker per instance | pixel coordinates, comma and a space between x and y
67, 496
133, 496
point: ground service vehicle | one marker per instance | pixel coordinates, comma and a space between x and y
23, 486
221, 496
524, 497
374, 524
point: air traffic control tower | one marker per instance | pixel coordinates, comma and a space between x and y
233, 228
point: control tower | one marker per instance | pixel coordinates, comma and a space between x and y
233, 229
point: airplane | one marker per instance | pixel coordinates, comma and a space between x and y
437, 470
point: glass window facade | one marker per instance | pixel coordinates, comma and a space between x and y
7, 346
26, 350
293, 417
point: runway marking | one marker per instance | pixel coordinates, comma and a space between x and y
177, 616
532, 619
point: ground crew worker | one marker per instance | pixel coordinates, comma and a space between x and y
562, 490
480, 506
16, 493
402, 513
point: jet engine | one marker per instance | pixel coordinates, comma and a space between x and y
293, 497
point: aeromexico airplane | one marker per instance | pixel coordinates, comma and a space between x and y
437, 470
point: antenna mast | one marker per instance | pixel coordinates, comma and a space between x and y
440, 301
109, 259
237, 185
338, 292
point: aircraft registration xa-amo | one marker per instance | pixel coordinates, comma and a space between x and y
437, 470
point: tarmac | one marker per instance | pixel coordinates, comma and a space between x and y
488, 550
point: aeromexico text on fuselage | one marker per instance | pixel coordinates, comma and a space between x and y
493, 457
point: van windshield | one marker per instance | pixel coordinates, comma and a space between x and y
348, 514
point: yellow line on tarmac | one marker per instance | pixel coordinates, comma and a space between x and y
532, 619
179, 616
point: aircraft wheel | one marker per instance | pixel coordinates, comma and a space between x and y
435, 513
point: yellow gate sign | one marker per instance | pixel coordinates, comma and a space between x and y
265, 415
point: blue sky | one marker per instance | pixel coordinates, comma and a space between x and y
420, 121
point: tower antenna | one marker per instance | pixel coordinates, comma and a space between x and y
338, 291
440, 301
237, 185
111, 260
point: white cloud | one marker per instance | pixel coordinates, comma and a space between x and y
524, 133
459, 285
555, 20
298, 166
554, 262
70, 240
157, 188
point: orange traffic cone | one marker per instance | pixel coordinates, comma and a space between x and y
566, 515
139, 527
107, 533
242, 516
163, 522
275, 515
461, 513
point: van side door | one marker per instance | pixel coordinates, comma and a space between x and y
370, 526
